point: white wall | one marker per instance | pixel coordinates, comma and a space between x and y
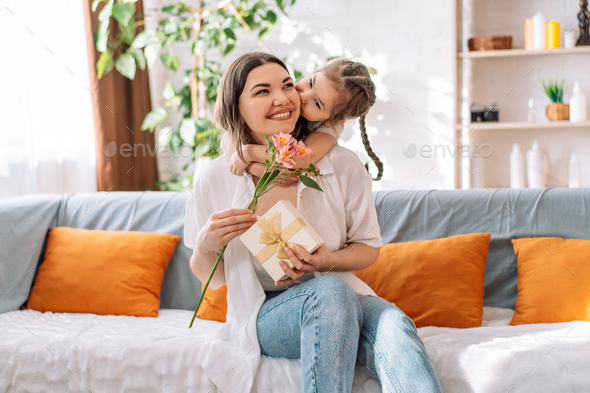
410, 45
492, 79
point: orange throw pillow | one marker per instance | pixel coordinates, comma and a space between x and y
102, 272
435, 282
553, 280
214, 305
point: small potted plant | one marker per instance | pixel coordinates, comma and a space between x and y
557, 110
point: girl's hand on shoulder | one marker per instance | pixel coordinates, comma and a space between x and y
320, 260
236, 165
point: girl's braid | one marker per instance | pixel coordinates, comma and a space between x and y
354, 80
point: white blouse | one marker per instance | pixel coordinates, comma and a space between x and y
344, 213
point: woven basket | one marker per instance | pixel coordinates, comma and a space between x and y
558, 111
490, 42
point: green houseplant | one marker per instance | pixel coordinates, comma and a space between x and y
210, 26
557, 110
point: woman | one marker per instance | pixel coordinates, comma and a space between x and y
323, 313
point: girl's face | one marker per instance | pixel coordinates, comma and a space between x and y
317, 97
269, 103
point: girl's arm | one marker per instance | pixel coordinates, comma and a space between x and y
227, 144
320, 143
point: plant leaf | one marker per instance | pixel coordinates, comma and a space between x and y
95, 4
104, 64
151, 53
138, 56
229, 33
106, 11
144, 38
188, 131
154, 118
271, 17
168, 91
170, 27
126, 65
170, 61
310, 183
124, 12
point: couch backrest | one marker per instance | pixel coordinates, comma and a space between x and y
504, 213
403, 216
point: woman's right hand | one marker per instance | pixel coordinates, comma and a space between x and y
223, 226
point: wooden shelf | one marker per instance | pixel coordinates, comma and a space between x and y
523, 52
522, 125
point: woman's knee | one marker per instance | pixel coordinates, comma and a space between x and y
339, 298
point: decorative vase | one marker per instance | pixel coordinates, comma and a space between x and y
557, 111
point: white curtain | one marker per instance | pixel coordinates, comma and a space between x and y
46, 121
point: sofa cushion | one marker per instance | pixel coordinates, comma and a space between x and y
553, 280
434, 282
214, 305
102, 272
146, 211
23, 225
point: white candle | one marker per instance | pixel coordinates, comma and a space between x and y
570, 39
539, 39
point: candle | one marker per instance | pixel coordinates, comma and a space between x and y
539, 38
553, 35
570, 39
528, 34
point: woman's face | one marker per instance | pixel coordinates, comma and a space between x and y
269, 103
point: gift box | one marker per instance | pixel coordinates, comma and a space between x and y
280, 227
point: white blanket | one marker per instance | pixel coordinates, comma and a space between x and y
85, 352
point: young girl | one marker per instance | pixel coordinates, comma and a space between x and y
340, 91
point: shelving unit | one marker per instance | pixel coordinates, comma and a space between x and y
523, 52
522, 125
463, 173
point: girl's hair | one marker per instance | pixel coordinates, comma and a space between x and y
227, 111
357, 95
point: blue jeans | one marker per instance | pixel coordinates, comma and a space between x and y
323, 322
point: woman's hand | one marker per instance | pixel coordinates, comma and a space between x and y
223, 226
320, 260
236, 165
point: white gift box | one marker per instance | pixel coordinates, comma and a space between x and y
262, 240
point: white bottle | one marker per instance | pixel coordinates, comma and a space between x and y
531, 114
516, 167
577, 104
536, 167
539, 25
574, 173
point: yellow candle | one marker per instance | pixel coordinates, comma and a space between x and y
528, 34
553, 35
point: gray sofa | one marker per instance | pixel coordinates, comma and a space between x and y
68, 352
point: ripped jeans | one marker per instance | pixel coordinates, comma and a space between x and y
323, 322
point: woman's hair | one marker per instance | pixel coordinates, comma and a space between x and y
227, 108
352, 80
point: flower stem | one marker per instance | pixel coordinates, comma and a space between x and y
254, 202
277, 183
207, 285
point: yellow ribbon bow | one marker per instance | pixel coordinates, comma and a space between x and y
275, 241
